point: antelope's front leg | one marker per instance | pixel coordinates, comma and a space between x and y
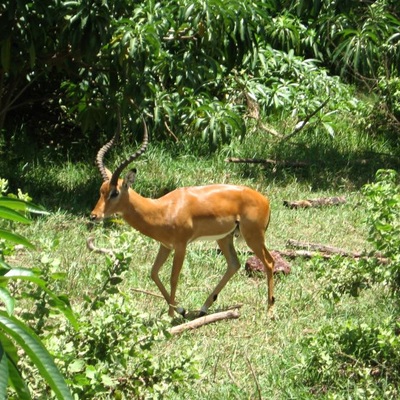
162, 256
179, 256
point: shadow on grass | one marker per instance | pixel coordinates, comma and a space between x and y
48, 190
326, 168
74, 187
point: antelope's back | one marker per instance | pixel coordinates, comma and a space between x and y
220, 200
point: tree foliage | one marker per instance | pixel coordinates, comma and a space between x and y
64, 62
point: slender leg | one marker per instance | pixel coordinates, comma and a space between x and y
255, 240
179, 256
265, 256
162, 256
226, 246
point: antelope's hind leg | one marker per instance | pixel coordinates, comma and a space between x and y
228, 250
265, 256
256, 243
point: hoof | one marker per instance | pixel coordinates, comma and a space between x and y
202, 313
181, 311
271, 313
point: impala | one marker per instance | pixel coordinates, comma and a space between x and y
213, 212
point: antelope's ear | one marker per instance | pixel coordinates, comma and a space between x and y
129, 179
108, 172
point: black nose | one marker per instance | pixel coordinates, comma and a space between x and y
93, 217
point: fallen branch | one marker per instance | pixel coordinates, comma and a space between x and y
207, 319
323, 201
309, 250
296, 164
322, 248
146, 292
269, 130
90, 245
255, 378
303, 253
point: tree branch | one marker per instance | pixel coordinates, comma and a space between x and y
323, 201
296, 164
303, 123
207, 319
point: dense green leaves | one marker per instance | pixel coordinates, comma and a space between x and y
168, 59
14, 333
34, 349
353, 356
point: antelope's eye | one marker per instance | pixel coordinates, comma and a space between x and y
114, 194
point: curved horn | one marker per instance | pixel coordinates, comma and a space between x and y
103, 150
125, 163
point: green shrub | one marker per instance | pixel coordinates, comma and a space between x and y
14, 334
349, 276
113, 356
355, 358
112, 353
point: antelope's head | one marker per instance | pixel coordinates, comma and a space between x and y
114, 191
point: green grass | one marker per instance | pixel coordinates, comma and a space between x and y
254, 356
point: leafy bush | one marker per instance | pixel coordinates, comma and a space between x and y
348, 276
360, 359
14, 334
284, 85
383, 219
344, 276
111, 354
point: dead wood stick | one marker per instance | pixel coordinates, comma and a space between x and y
310, 254
230, 314
146, 292
255, 378
270, 130
90, 245
322, 248
297, 164
328, 255
302, 253
323, 201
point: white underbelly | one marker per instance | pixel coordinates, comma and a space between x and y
206, 238
213, 237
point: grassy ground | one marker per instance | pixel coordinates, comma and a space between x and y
254, 356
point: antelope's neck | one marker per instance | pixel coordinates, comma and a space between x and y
143, 214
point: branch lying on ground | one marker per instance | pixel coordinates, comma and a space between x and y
90, 245
321, 247
296, 164
323, 201
309, 250
207, 319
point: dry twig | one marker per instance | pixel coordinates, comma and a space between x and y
323, 201
207, 319
303, 123
283, 163
255, 378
